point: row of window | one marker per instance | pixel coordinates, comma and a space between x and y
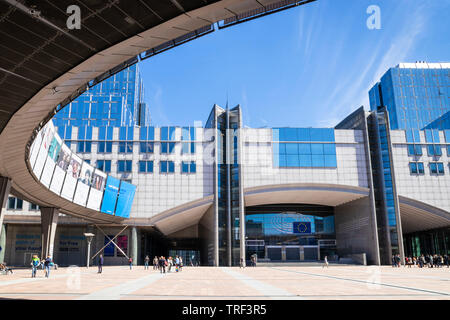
17, 204
303, 134
125, 166
127, 147
433, 150
418, 168
127, 133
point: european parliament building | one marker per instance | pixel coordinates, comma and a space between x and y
376, 185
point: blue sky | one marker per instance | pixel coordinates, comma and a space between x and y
308, 66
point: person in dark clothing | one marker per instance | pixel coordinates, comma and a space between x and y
100, 264
47, 264
162, 264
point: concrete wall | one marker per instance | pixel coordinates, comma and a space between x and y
429, 188
354, 229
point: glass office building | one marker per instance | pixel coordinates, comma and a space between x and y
414, 97
376, 185
114, 102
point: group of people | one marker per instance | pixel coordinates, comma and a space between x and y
46, 264
162, 263
432, 261
4, 268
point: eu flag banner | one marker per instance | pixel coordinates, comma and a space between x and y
301, 227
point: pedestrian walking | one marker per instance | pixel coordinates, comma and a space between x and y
155, 263
100, 264
35, 262
325, 262
130, 261
177, 263
146, 261
47, 264
181, 263
169, 264
242, 264
162, 264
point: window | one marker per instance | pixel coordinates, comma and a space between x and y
414, 150
15, 203
145, 166
167, 133
167, 167
124, 166
125, 147
146, 134
434, 150
188, 167
433, 168
440, 168
420, 167
104, 165
126, 139
105, 135
187, 147
413, 167
305, 154
33, 207
84, 146
84, 135
167, 147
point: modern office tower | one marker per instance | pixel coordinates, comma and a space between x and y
363, 191
416, 95
415, 98
114, 102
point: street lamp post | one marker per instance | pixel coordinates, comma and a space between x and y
89, 237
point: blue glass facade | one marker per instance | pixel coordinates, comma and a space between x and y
415, 98
304, 147
116, 101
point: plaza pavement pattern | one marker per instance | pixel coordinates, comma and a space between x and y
209, 283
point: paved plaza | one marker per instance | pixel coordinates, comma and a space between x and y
206, 283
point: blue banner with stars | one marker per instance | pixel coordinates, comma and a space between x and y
301, 227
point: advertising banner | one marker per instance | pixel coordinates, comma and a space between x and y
50, 163
109, 249
43, 150
83, 185
110, 195
125, 199
35, 146
122, 243
73, 172
97, 187
62, 164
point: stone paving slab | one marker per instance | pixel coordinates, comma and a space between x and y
260, 283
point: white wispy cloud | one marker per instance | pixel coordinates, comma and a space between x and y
384, 56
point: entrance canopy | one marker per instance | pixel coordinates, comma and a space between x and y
308, 193
419, 216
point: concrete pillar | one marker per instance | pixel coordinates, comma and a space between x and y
134, 246
49, 222
2, 243
5, 187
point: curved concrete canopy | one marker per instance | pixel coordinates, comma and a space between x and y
58, 65
419, 216
308, 193
182, 216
